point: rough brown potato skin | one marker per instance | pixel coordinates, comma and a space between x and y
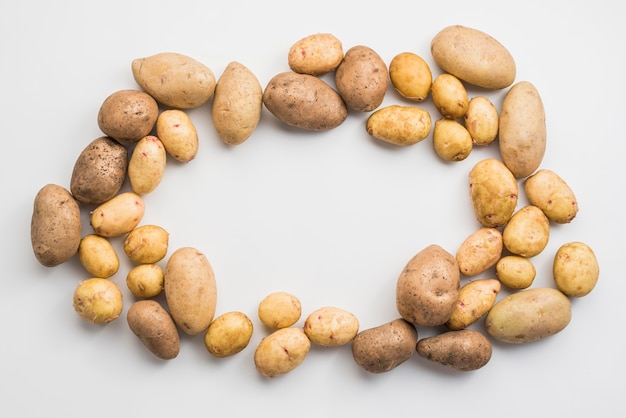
463, 350
154, 326
128, 115
362, 78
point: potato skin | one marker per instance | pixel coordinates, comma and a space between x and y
399, 125
55, 226
479, 251
147, 244
575, 269
515, 271
411, 76
449, 96
279, 310
550, 193
146, 167
118, 216
451, 141
428, 287
464, 350
178, 134
475, 300
481, 120
362, 78
315, 54
98, 300
99, 171
228, 334
128, 115
527, 233
154, 327
330, 326
493, 192
281, 352
98, 256
383, 348
145, 280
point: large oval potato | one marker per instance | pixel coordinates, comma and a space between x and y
473, 56
428, 287
550, 193
522, 129
362, 78
330, 326
315, 54
190, 290
463, 350
575, 269
55, 226
155, 328
118, 216
128, 115
281, 352
304, 101
493, 191
399, 125
146, 167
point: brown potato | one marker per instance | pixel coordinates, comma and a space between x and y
146, 167
399, 125
475, 299
362, 78
479, 251
527, 233
550, 193
463, 350
493, 191
118, 216
481, 120
315, 54
331, 326
450, 96
154, 327
228, 334
410, 76
451, 141
98, 300
128, 115
575, 269
55, 226
281, 352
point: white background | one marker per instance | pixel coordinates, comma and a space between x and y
331, 217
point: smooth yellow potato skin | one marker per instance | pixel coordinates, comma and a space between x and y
550, 193
154, 327
475, 299
98, 300
399, 125
482, 120
479, 251
464, 350
279, 310
330, 326
147, 164
118, 216
145, 280
575, 269
493, 192
362, 78
147, 244
411, 76
98, 256
281, 352
128, 115
450, 96
228, 334
451, 141
315, 54
515, 271
527, 233
178, 134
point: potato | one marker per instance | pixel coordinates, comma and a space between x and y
527, 233
383, 348
315, 54
410, 76
479, 251
118, 216
451, 141
154, 327
304, 101
190, 290
147, 244
146, 167
399, 125
463, 350
362, 78
522, 129
428, 287
481, 120
174, 80
575, 269
529, 315
515, 271
228, 334
281, 352
145, 280
550, 193
178, 134
279, 310
128, 115
475, 299
473, 56
493, 192
98, 256
55, 226
330, 326
99, 171
449, 96
98, 300
237, 104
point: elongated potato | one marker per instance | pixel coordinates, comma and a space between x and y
475, 299
464, 350
550, 193
481, 120
493, 191
98, 256
479, 251
281, 352
146, 167
315, 54
118, 215
399, 125
154, 327
178, 134
330, 326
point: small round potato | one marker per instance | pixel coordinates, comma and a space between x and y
228, 334
281, 352
550, 193
493, 191
279, 310
410, 75
527, 233
479, 251
154, 327
575, 269
449, 96
399, 125
98, 300
481, 120
362, 78
98, 256
118, 215
451, 141
145, 280
146, 167
178, 134
515, 271
331, 326
146, 244
128, 115
475, 299
315, 54
463, 350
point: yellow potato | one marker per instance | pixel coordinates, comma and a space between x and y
475, 299
118, 215
178, 134
98, 300
473, 56
281, 352
145, 280
399, 125
98, 256
481, 120
550, 193
331, 326
493, 192
147, 244
410, 76
154, 327
575, 269
315, 54
279, 310
515, 271
228, 334
449, 96
55, 226
362, 78
527, 233
128, 115
146, 167
237, 104
463, 350
452, 142
174, 80
479, 251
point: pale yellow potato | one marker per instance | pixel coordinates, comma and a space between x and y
55, 226
575, 269
428, 287
449, 96
98, 256
479, 251
493, 192
145, 280
190, 290
147, 244
228, 334
155, 328
330, 326
146, 167
463, 350
473, 56
515, 271
550, 193
362, 78
178, 134
529, 315
410, 76
279, 310
522, 129
475, 299
118, 216
128, 115
98, 300
399, 125
174, 80
481, 120
281, 352
237, 104
315, 54
527, 233
451, 141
